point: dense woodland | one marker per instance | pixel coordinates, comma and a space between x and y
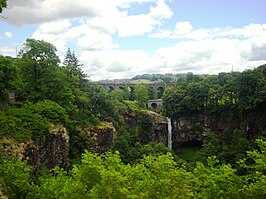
228, 165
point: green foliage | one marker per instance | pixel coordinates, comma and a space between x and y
229, 147
167, 78
71, 59
15, 178
41, 75
50, 110
102, 104
22, 124
133, 142
133, 106
217, 181
173, 101
57, 186
141, 93
106, 176
41, 52
8, 76
213, 94
79, 143
118, 94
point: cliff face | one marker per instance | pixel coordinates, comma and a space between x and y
51, 152
101, 137
156, 126
193, 129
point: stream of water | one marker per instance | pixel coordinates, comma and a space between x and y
169, 134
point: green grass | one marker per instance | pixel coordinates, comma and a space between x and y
141, 81
132, 105
187, 153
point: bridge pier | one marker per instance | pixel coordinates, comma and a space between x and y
156, 104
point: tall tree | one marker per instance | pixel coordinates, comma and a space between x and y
71, 59
41, 52
8, 76
73, 70
141, 93
43, 77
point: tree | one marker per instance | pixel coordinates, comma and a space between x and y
173, 101
3, 4
71, 59
196, 96
215, 181
41, 52
141, 93
8, 76
72, 69
15, 176
36, 59
42, 76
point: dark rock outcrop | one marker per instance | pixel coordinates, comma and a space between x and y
195, 128
157, 130
52, 151
101, 137
192, 129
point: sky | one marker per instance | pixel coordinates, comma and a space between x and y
116, 39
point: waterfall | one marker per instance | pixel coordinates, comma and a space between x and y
169, 134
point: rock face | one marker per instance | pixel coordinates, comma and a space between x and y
52, 151
101, 136
157, 128
2, 196
195, 128
192, 130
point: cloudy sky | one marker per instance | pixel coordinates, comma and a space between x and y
124, 38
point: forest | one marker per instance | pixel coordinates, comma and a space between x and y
39, 94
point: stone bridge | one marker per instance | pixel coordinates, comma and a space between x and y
157, 87
156, 104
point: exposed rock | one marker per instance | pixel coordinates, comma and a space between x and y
11, 147
52, 151
2, 195
188, 129
101, 136
193, 129
158, 126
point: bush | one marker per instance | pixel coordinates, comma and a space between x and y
15, 178
22, 124
49, 110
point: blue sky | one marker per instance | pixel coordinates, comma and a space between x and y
124, 38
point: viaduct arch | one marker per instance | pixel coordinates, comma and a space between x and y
157, 87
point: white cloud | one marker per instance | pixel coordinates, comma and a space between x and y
135, 25
93, 40
9, 35
183, 27
161, 11
35, 11
55, 27
93, 31
118, 64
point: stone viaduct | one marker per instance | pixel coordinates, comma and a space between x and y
157, 87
